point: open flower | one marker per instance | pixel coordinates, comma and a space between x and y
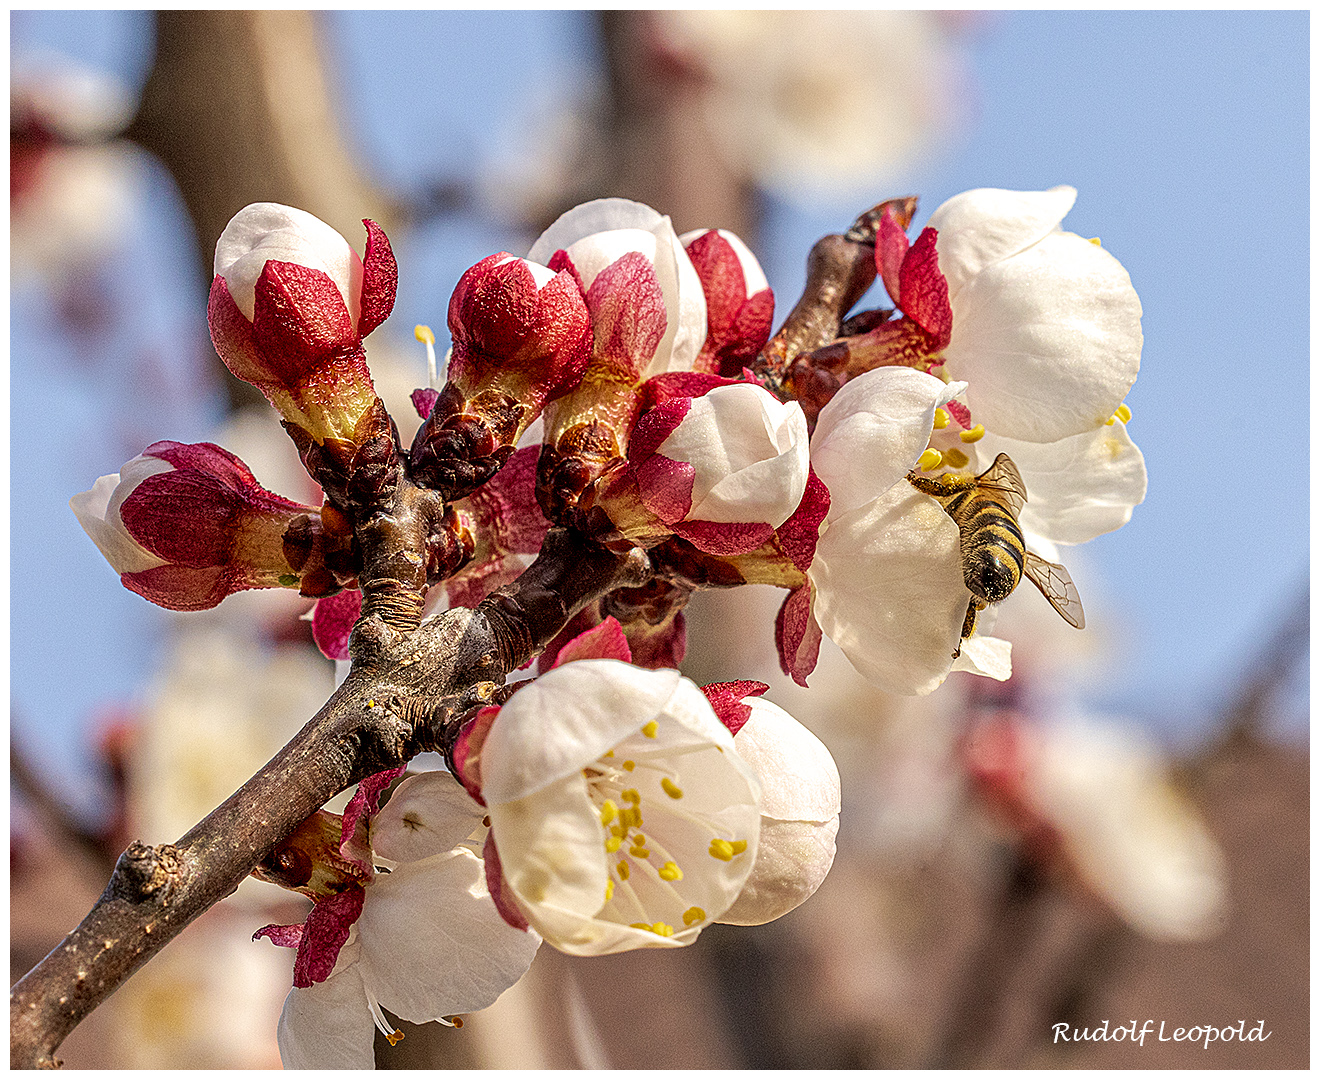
185, 525
426, 942
621, 815
800, 802
290, 304
722, 469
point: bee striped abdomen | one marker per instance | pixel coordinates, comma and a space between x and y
992, 546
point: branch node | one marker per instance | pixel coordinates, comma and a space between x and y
143, 872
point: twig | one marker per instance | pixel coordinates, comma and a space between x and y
157, 891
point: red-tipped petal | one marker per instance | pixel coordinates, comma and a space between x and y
726, 698
891, 247
324, 934
603, 642
924, 293
797, 635
799, 534
364, 803
380, 279
332, 622
499, 891
467, 750
724, 537
287, 937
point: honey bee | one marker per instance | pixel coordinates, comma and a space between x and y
994, 555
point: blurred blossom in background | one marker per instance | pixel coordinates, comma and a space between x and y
1001, 848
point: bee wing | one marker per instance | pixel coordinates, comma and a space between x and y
1056, 586
1003, 477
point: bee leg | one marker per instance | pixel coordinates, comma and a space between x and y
969, 624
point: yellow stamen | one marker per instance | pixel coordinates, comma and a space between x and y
613, 844
693, 914
671, 872
640, 925
739, 846
931, 460
1124, 413
973, 435
371, 704
638, 852
1095, 240
628, 766
423, 334
955, 459
608, 753
631, 795
941, 419
721, 849
609, 891
663, 929
639, 839
649, 729
608, 812
671, 789
623, 870
395, 1037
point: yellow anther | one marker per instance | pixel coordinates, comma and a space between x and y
639, 840
693, 914
941, 419
631, 795
738, 846
608, 812
671, 789
650, 728
955, 459
721, 849
613, 844
623, 870
1095, 240
1124, 413
395, 1037
974, 435
931, 460
608, 753
671, 872
423, 333
663, 929
640, 925
634, 817
609, 891
639, 852
371, 704
628, 766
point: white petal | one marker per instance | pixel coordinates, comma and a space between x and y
552, 857
979, 228
328, 1025
600, 215
97, 511
428, 814
433, 943
687, 321
750, 452
989, 656
1133, 838
1048, 341
873, 431
566, 719
1077, 488
799, 780
889, 589
792, 861
264, 231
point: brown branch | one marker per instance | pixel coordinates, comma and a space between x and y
371, 723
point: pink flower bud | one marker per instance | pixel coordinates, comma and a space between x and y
290, 304
724, 469
739, 303
186, 525
520, 327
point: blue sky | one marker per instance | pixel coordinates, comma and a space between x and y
1186, 134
